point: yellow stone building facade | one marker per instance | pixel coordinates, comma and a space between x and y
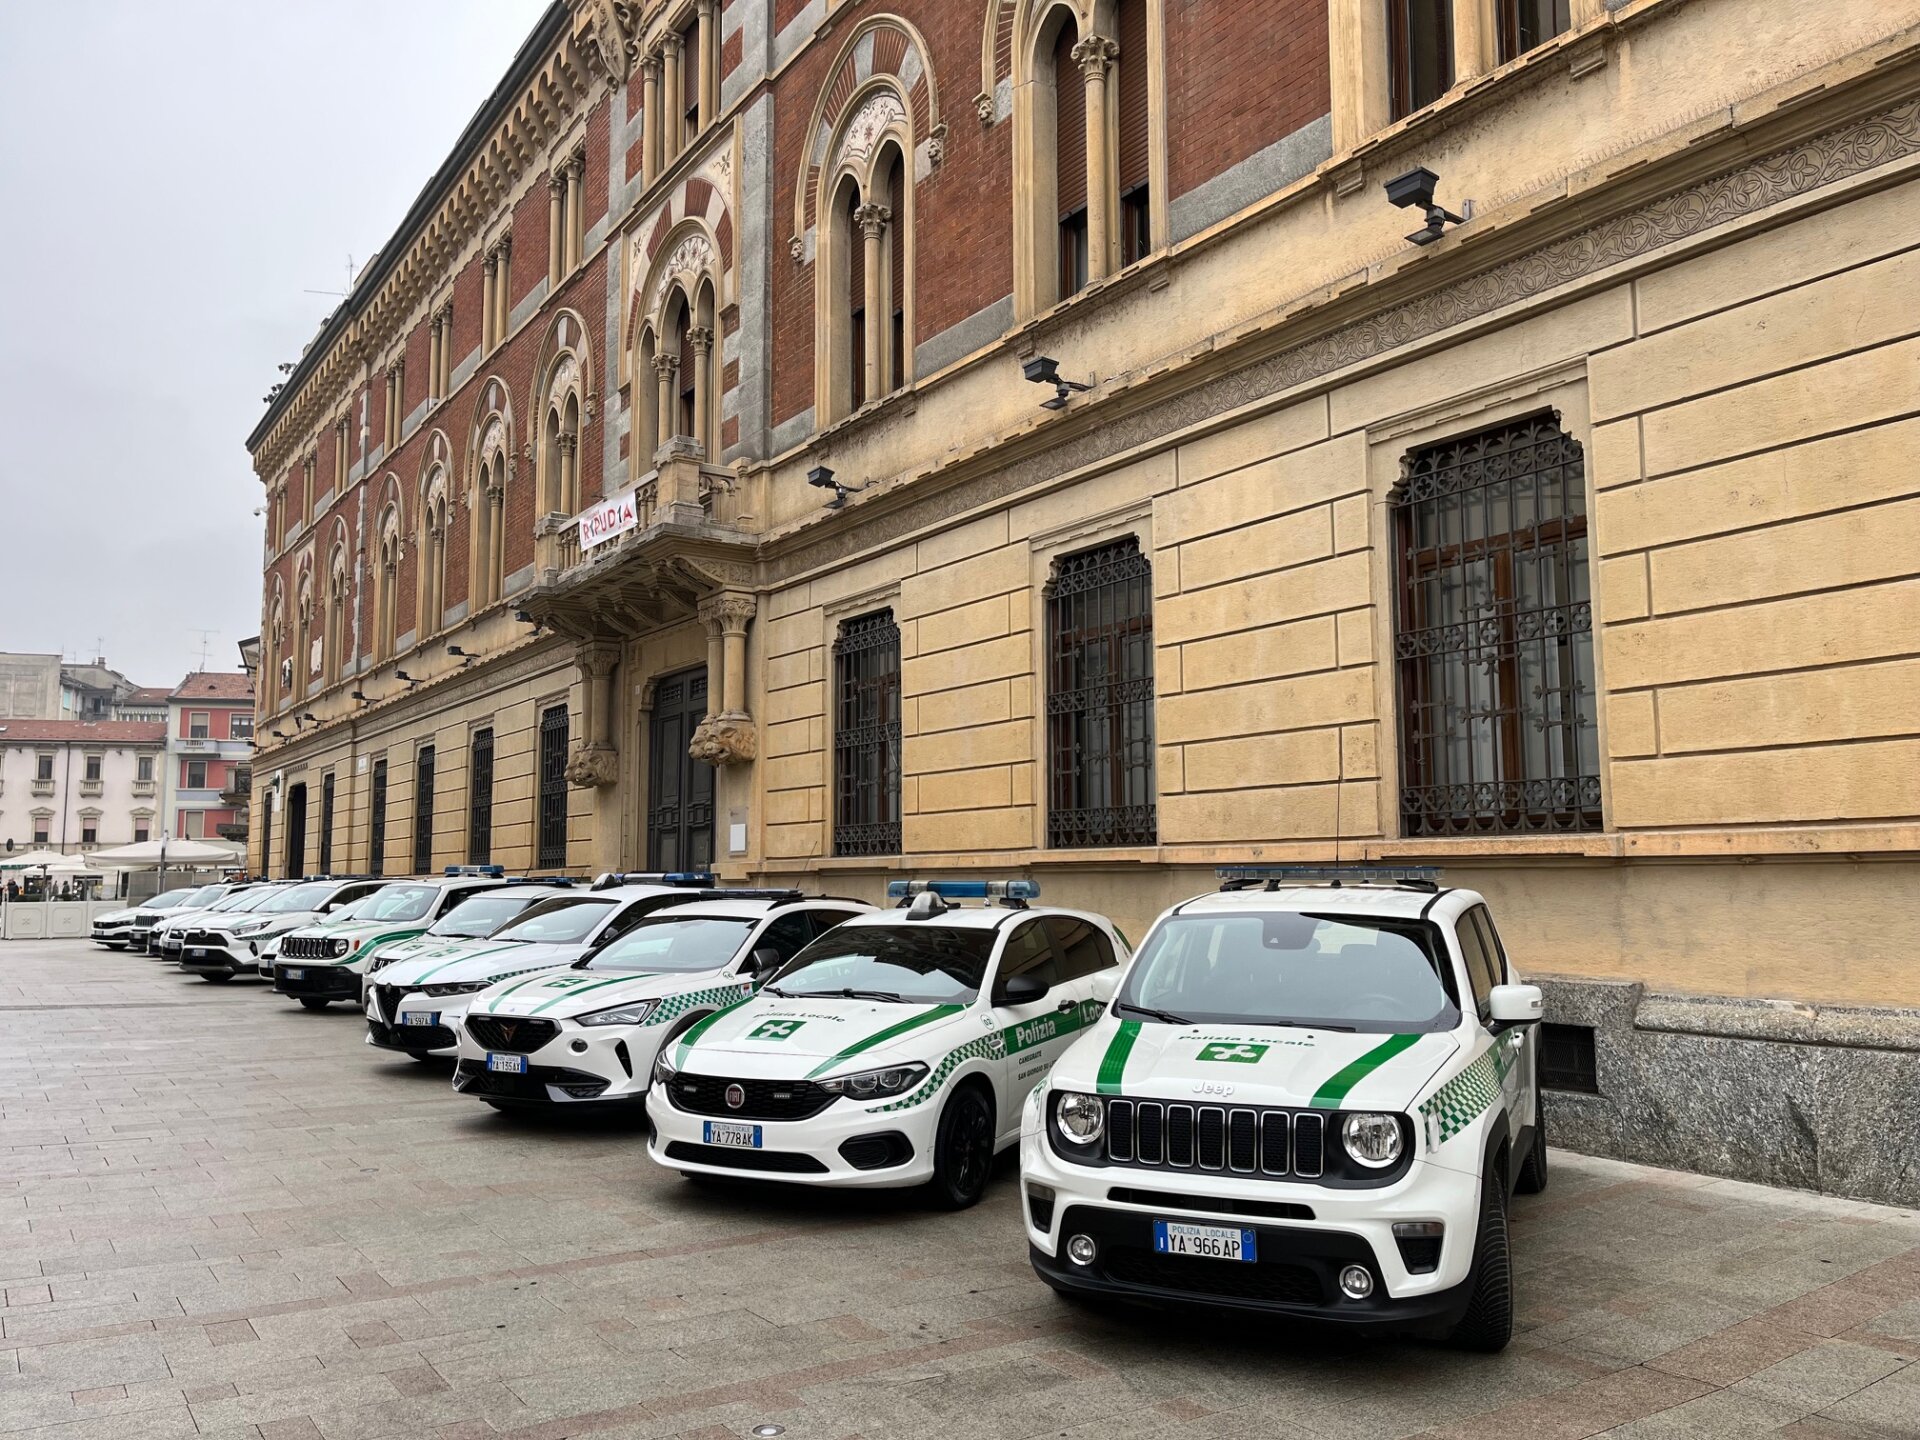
1576, 552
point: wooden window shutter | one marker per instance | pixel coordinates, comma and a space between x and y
1070, 125
896, 192
1132, 88
856, 255
686, 354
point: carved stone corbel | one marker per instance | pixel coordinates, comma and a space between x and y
595, 760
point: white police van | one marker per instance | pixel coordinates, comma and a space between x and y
1307, 1098
897, 1049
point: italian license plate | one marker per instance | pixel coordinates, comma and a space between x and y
421, 1017
734, 1136
507, 1064
196, 953
294, 972
1209, 1242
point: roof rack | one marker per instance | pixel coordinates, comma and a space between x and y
1271, 877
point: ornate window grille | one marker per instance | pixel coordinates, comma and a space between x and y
1100, 781
423, 811
326, 823
377, 820
866, 736
553, 787
1494, 636
480, 799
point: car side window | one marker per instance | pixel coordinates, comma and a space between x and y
1028, 952
1084, 950
825, 920
787, 935
1490, 938
1479, 967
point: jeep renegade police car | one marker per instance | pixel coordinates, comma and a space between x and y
897, 1049
323, 963
587, 1033
220, 946
1310, 1099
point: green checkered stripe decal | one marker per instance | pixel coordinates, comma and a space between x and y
674, 1006
1463, 1099
997, 1046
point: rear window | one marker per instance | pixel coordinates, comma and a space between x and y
926, 964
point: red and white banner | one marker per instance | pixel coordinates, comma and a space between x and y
609, 518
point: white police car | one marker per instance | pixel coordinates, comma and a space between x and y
168, 937
318, 964
220, 946
1309, 1099
148, 916
114, 928
897, 1049
587, 1033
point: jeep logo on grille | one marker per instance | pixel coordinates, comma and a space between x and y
736, 1096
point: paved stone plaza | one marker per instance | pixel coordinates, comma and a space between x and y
223, 1216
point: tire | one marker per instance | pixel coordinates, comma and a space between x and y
962, 1150
313, 1002
1488, 1322
1533, 1170
217, 977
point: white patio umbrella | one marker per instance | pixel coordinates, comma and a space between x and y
169, 850
31, 860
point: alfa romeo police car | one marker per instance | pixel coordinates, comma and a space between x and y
1311, 1099
321, 963
474, 918
218, 947
897, 1049
587, 1033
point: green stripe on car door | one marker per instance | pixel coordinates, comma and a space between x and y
1113, 1064
1334, 1090
912, 1022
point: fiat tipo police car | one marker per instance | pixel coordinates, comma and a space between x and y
588, 1033
321, 963
1311, 1099
114, 929
897, 1049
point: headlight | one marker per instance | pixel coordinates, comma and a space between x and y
632, 1014
341, 947
1372, 1140
1081, 1119
663, 1067
876, 1084
464, 987
380, 962
252, 927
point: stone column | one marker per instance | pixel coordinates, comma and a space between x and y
1476, 39
489, 310
433, 359
709, 68
1095, 55
503, 290
674, 105
872, 220
496, 542
701, 339
734, 611
575, 227
716, 657
1357, 54
666, 367
568, 445
595, 761
556, 229
651, 121
726, 735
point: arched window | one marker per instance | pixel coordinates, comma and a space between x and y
1069, 161
433, 554
302, 639
275, 670
386, 586
489, 529
334, 650
678, 348
1133, 150
646, 410
863, 264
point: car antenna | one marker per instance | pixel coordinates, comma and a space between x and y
1339, 796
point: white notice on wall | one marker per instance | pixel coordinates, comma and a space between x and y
611, 517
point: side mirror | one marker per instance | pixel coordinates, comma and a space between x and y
763, 961
1515, 1005
1023, 990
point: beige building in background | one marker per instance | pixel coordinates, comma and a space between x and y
1576, 553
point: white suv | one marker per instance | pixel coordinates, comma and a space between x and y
1307, 1099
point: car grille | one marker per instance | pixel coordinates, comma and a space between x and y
511, 1033
306, 947
207, 937
1236, 1139
773, 1161
1177, 1274
471, 1077
386, 1000
760, 1099
410, 1037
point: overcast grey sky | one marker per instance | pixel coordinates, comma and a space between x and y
175, 176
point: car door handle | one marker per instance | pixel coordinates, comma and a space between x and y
1065, 1006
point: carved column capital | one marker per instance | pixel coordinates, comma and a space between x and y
729, 612
1094, 54
666, 366
650, 67
701, 338
577, 163
557, 180
872, 219
670, 44
596, 659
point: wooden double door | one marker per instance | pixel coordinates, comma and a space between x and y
679, 788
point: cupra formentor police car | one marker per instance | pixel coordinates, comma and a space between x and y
1310, 1099
416, 1006
588, 1033
322, 963
897, 1049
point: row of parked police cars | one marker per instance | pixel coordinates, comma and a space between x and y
1307, 1093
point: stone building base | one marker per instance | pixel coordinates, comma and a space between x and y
1817, 1097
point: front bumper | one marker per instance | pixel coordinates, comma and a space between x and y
235, 957
112, 934
137, 940
313, 980
580, 1065
390, 1028
1305, 1234
846, 1144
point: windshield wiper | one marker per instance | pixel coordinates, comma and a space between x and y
776, 990
1298, 1024
886, 995
1164, 1015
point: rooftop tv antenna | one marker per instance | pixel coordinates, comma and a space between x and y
206, 644
338, 294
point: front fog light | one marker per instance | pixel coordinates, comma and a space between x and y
1081, 1250
1372, 1140
1356, 1282
1081, 1118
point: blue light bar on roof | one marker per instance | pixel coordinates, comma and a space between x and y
966, 889
492, 872
702, 879
1329, 874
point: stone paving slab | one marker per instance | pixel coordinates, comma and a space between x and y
222, 1217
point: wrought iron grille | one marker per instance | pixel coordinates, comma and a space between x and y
326, 823
1100, 781
423, 811
553, 787
377, 820
1494, 636
480, 799
266, 838
866, 736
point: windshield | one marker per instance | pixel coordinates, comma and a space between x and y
238, 900
931, 965
168, 899
1318, 971
397, 902
563, 920
482, 915
296, 897
666, 944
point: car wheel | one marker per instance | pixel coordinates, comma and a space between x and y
1488, 1322
1533, 1170
218, 977
962, 1150
313, 1002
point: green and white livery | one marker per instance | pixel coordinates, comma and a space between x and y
587, 1032
319, 964
895, 1051
1309, 1099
